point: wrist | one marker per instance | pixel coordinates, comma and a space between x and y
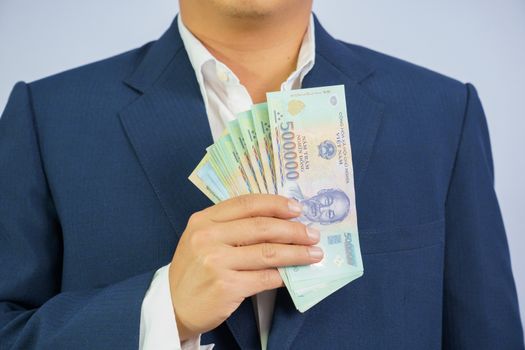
184, 331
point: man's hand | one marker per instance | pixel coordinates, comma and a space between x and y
229, 252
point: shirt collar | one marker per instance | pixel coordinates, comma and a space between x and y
199, 55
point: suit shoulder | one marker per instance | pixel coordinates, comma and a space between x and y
397, 80
415, 96
104, 74
86, 93
401, 70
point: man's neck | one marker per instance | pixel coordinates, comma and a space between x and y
261, 51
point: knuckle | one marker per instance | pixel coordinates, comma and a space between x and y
198, 238
211, 260
266, 277
245, 203
268, 252
260, 225
226, 283
281, 203
299, 230
195, 218
269, 279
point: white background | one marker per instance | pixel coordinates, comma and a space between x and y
478, 41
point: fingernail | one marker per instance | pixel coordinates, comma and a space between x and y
313, 233
315, 252
295, 206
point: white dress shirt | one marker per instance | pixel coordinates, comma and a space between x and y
224, 96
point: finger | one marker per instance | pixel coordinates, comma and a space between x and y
253, 282
271, 255
259, 229
252, 205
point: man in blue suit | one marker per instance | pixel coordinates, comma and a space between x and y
105, 244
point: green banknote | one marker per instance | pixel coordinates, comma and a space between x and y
313, 164
242, 151
261, 123
228, 161
206, 179
252, 145
297, 145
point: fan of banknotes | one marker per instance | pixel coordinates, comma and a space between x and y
296, 145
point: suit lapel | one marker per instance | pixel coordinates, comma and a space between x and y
169, 131
335, 64
364, 113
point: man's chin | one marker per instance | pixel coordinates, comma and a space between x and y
247, 9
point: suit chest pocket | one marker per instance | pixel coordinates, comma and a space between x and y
402, 238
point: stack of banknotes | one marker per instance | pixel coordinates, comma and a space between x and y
296, 145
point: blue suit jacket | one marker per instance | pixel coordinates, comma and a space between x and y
94, 197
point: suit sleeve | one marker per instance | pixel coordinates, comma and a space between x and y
480, 303
34, 313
